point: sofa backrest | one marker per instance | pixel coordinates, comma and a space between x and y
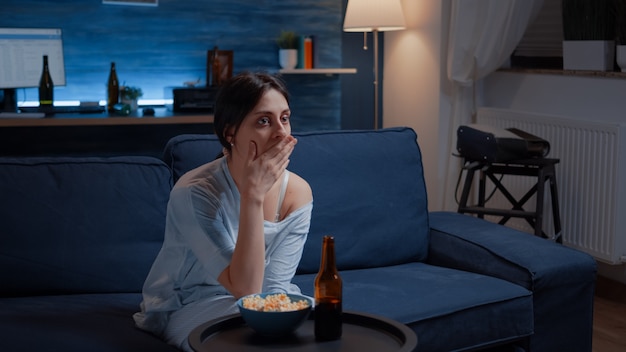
368, 189
77, 225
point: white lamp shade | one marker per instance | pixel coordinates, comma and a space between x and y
370, 15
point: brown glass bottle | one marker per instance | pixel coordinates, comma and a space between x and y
328, 295
46, 87
215, 69
113, 89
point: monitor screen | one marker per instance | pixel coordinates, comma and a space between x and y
21, 56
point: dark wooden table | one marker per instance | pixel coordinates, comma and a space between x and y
98, 134
361, 332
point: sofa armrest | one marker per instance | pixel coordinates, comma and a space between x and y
469, 243
562, 279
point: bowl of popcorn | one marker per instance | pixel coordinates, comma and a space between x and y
274, 314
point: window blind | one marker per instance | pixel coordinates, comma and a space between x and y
544, 36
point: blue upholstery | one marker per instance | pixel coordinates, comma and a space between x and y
448, 309
80, 322
78, 236
562, 279
356, 181
80, 225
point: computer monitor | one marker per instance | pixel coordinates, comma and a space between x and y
21, 60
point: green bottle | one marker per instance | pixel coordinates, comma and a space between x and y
46, 87
113, 89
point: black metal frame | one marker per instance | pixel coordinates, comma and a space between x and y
542, 168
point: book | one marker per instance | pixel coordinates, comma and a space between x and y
300, 52
308, 52
315, 52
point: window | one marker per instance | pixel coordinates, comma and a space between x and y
542, 44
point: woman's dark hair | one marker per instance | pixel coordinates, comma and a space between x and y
238, 96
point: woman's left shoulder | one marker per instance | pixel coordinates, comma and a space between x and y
299, 192
299, 185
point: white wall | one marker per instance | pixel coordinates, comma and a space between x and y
416, 93
411, 86
579, 97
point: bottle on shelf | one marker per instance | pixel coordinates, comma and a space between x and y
328, 295
215, 69
113, 89
46, 86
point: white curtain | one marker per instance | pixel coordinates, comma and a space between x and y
482, 36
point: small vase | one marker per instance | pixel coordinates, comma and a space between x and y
288, 58
132, 103
593, 55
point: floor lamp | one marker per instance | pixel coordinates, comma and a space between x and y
373, 16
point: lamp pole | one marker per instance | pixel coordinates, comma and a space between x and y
375, 16
375, 34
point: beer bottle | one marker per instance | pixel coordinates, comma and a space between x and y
328, 295
46, 87
113, 89
215, 69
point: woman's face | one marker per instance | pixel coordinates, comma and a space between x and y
266, 124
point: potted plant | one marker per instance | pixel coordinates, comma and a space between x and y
129, 95
287, 43
589, 35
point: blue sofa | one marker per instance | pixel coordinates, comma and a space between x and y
78, 236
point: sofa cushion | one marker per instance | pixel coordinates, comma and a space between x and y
80, 224
75, 323
188, 151
368, 189
448, 309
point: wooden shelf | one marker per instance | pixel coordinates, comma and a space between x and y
162, 117
317, 71
98, 134
559, 72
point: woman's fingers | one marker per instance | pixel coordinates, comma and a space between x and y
265, 169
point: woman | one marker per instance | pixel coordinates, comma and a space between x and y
235, 226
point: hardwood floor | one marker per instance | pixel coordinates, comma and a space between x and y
609, 318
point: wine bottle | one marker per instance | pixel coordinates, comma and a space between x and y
113, 89
328, 295
46, 87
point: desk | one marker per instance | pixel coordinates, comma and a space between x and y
98, 134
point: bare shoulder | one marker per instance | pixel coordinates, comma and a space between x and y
300, 186
298, 192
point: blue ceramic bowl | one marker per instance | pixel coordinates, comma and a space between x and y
275, 323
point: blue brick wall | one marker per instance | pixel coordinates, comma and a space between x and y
164, 46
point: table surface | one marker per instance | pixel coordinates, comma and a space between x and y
98, 134
361, 332
161, 116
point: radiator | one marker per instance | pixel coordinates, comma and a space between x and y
591, 180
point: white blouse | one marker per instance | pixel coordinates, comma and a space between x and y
200, 234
